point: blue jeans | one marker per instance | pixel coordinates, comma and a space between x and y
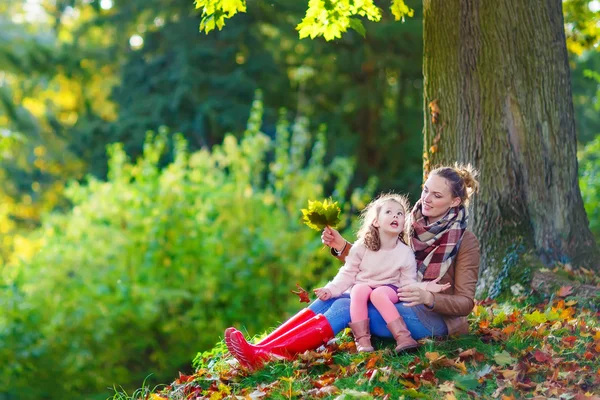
337, 312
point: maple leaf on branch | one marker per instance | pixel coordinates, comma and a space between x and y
303, 294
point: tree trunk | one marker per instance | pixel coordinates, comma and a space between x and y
500, 75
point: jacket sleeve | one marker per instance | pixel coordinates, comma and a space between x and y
344, 253
346, 276
466, 271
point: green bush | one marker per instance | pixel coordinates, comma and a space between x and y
589, 182
149, 267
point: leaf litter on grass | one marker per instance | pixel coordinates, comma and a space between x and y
547, 350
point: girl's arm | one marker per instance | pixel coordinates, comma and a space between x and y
346, 276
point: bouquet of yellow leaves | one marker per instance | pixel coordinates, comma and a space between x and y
318, 215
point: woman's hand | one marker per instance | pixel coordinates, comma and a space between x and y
332, 238
322, 293
434, 287
413, 295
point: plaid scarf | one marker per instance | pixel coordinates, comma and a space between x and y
436, 245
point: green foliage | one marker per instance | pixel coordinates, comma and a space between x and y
323, 18
151, 265
214, 12
332, 18
319, 214
589, 182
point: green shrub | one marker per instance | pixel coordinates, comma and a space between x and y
149, 267
589, 182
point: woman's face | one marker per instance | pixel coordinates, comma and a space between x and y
436, 198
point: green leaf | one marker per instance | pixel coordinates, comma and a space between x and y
499, 319
467, 382
318, 215
400, 9
358, 26
535, 318
504, 358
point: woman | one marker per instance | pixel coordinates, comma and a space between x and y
445, 252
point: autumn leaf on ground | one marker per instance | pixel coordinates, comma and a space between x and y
472, 353
541, 357
565, 291
504, 358
303, 294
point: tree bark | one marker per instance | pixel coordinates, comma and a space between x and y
500, 75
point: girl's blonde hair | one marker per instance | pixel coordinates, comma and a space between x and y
370, 234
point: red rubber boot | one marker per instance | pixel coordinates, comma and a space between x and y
307, 336
301, 316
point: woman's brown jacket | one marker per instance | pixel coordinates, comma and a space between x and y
455, 303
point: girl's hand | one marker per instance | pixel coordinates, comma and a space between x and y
413, 295
434, 287
332, 238
322, 293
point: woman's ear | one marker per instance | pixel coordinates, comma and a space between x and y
456, 202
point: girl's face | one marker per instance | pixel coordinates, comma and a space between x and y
436, 198
390, 218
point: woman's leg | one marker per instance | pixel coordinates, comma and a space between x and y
317, 307
338, 313
418, 329
309, 335
384, 299
359, 297
306, 336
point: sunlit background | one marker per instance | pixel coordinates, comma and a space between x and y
152, 176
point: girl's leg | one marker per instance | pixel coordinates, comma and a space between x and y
434, 326
384, 299
359, 297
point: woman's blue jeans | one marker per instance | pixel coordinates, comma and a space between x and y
337, 312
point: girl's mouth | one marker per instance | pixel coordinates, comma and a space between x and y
394, 224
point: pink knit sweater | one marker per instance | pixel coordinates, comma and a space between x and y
375, 268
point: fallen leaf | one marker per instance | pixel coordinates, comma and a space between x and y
541, 357
565, 291
433, 356
184, 378
372, 362
503, 358
378, 391
508, 373
472, 353
447, 387
303, 294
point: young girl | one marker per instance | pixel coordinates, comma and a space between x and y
378, 263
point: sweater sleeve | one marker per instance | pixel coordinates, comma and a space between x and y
408, 272
461, 302
346, 276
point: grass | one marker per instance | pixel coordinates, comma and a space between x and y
518, 349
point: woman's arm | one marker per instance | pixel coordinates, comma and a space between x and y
340, 248
466, 271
